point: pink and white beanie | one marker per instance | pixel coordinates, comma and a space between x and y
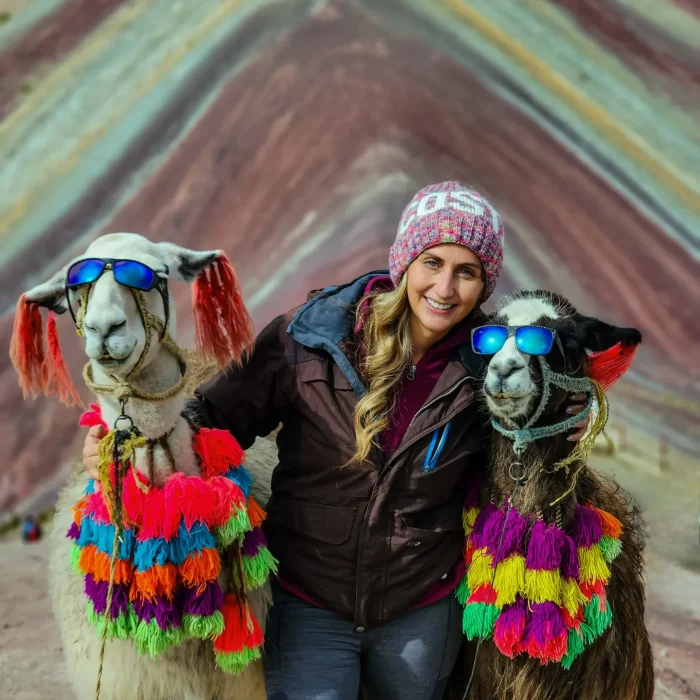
449, 213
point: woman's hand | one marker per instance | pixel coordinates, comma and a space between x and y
578, 403
90, 458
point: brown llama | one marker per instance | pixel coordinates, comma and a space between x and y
554, 596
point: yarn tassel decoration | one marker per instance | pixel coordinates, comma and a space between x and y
241, 639
542, 578
168, 557
223, 327
510, 627
218, 451
27, 348
546, 634
58, 379
607, 366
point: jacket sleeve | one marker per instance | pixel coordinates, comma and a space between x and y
250, 401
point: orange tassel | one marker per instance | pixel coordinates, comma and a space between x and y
241, 629
27, 348
56, 369
256, 514
156, 581
223, 327
78, 508
612, 527
607, 366
97, 563
199, 568
218, 451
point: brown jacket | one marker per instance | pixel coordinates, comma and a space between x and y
368, 540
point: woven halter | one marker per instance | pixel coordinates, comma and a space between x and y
523, 437
121, 388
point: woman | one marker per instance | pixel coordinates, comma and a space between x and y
374, 383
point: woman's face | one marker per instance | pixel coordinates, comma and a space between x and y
444, 284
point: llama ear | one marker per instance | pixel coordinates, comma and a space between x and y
50, 294
185, 264
223, 328
609, 349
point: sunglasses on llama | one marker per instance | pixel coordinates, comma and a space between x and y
129, 273
530, 340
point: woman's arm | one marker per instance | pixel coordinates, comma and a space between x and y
250, 401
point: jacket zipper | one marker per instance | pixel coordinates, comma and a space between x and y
411, 373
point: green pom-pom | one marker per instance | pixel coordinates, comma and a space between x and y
233, 528
257, 569
152, 640
75, 558
463, 592
235, 662
574, 647
122, 627
610, 548
479, 620
598, 620
203, 626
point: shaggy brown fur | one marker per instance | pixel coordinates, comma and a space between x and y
617, 666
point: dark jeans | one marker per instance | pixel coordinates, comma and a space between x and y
312, 654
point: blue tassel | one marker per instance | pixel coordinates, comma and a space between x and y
242, 477
150, 552
186, 542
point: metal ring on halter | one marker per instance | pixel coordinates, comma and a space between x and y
124, 417
519, 478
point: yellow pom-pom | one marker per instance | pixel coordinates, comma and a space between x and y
480, 570
592, 565
571, 597
543, 586
510, 580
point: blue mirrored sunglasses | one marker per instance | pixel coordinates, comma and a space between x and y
129, 273
531, 340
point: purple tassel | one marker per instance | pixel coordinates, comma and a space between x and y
545, 633
510, 627
73, 531
569, 559
478, 537
164, 612
587, 528
514, 539
96, 591
205, 603
545, 548
253, 540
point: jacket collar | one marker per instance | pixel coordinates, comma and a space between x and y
328, 319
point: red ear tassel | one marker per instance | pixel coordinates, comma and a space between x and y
57, 371
223, 328
607, 366
27, 348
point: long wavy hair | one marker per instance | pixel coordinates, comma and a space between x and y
384, 354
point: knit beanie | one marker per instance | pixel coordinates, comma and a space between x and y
449, 213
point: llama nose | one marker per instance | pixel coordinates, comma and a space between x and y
106, 330
505, 368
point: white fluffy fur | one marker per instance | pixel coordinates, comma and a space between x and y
186, 672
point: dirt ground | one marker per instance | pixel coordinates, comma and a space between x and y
31, 667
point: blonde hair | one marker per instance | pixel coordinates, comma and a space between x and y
385, 356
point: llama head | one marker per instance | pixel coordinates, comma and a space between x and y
584, 346
113, 323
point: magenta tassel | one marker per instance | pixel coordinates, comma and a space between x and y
510, 627
478, 536
253, 540
569, 558
587, 528
545, 633
514, 538
545, 547
205, 603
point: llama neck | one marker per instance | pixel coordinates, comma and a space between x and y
542, 486
155, 418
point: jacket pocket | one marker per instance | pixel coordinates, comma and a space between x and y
330, 524
430, 524
323, 371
